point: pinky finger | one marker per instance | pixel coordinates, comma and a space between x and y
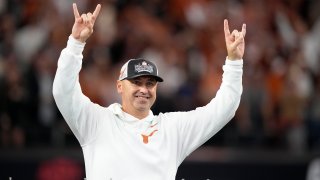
244, 30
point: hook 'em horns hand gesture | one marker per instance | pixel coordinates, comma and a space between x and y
234, 41
83, 25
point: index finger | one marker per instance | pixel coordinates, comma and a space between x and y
75, 10
226, 28
96, 11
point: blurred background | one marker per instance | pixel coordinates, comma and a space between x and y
275, 133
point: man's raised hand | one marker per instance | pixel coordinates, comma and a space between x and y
234, 41
83, 25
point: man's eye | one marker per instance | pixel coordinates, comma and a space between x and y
151, 84
136, 82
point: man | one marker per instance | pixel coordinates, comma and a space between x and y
313, 170
127, 141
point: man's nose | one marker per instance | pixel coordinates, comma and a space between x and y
143, 89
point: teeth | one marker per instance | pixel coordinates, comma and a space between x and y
143, 97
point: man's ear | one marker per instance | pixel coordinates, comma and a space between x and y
119, 86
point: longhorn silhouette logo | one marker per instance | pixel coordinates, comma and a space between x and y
145, 138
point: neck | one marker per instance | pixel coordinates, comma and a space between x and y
137, 114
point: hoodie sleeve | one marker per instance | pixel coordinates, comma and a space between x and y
78, 111
195, 127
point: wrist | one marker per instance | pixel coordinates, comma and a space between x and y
231, 58
234, 62
78, 38
74, 45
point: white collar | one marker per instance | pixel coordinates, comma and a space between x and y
116, 108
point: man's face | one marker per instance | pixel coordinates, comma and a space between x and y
138, 94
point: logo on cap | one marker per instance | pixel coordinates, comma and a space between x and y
143, 67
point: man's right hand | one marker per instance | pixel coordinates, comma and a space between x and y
83, 25
234, 41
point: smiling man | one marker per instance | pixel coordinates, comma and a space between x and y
126, 141
137, 85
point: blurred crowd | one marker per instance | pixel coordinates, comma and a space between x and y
280, 106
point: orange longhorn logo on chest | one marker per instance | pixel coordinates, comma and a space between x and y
145, 138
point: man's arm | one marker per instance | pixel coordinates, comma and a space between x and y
73, 105
197, 126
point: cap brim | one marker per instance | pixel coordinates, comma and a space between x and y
157, 78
